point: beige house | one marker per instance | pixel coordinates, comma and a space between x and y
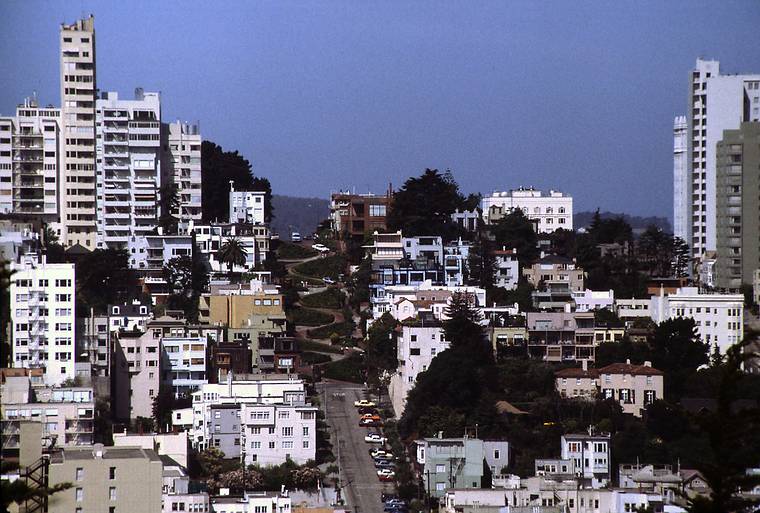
555, 269
633, 386
234, 310
106, 479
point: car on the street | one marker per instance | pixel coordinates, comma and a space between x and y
328, 280
364, 403
370, 423
395, 501
380, 464
385, 497
375, 438
386, 474
373, 416
295, 237
320, 247
395, 508
380, 453
365, 409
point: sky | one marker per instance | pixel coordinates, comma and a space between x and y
574, 96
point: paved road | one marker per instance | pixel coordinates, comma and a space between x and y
356, 465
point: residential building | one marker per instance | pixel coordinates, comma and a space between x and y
209, 238
30, 161
633, 386
128, 150
228, 357
152, 253
445, 463
136, 373
632, 309
175, 446
183, 166
553, 268
561, 336
419, 342
719, 317
756, 286
551, 211
681, 185
106, 479
252, 502
226, 428
274, 433
592, 456
66, 414
176, 494
664, 480
354, 215
422, 296
456, 263
19, 236
185, 365
467, 219
78, 170
507, 268
738, 206
731, 100
43, 323
590, 300
246, 206
278, 354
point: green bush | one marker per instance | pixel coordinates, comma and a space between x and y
330, 266
330, 298
343, 329
348, 369
307, 317
310, 358
288, 251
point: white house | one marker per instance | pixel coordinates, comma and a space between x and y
184, 368
591, 454
43, 323
252, 502
273, 433
551, 211
719, 317
507, 272
590, 300
246, 206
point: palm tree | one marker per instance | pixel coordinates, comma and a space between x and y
232, 253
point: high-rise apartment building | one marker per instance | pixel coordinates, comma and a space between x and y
716, 103
681, 226
128, 152
182, 153
738, 205
43, 317
30, 159
78, 88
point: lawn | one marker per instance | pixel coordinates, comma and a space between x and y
343, 329
307, 317
310, 345
310, 358
330, 266
330, 298
289, 251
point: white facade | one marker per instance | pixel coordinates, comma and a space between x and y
633, 308
719, 317
43, 323
592, 456
552, 210
252, 502
30, 161
416, 347
590, 300
128, 168
155, 251
78, 174
184, 166
426, 291
210, 237
681, 199
184, 369
507, 272
455, 262
725, 95
273, 433
246, 206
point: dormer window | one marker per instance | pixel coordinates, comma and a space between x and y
115, 310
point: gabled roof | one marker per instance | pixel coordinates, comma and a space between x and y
627, 368
77, 249
577, 372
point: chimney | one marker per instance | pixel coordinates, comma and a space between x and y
627, 361
647, 363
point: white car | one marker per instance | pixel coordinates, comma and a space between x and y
320, 247
364, 403
374, 438
385, 472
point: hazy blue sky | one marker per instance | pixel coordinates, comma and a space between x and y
578, 96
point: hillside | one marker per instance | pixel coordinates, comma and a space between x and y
638, 223
298, 214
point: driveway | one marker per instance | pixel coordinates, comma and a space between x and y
357, 469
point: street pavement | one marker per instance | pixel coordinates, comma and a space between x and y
358, 474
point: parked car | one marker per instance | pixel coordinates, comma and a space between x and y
295, 237
374, 438
328, 280
373, 416
366, 409
398, 507
395, 501
320, 247
377, 452
385, 497
386, 474
364, 403
380, 464
370, 423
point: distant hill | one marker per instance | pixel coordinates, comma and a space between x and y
638, 223
301, 215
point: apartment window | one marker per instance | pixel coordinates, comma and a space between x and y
256, 445
79, 494
287, 445
496, 454
287, 431
80, 473
440, 468
112, 473
271, 445
306, 431
112, 493
305, 444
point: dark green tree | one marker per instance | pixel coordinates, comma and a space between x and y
423, 205
218, 168
104, 277
381, 344
515, 231
186, 278
462, 326
678, 351
481, 264
21, 492
168, 206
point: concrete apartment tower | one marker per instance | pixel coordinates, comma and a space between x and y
681, 195
128, 152
78, 89
182, 166
30, 159
716, 103
738, 204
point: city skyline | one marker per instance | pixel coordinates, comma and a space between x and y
365, 120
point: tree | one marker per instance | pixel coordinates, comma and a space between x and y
163, 404
516, 231
232, 253
238, 480
186, 278
168, 205
5, 312
655, 251
218, 168
462, 326
211, 462
681, 257
381, 344
306, 477
678, 351
423, 205
19, 491
103, 277
481, 263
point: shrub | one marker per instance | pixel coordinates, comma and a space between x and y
310, 345
330, 266
288, 251
310, 358
330, 298
342, 329
307, 317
